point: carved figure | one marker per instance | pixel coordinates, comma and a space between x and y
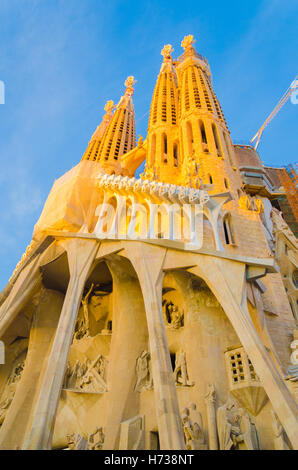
96, 439
10, 390
85, 327
180, 372
228, 430
93, 379
174, 316
76, 442
144, 379
193, 428
235, 427
280, 440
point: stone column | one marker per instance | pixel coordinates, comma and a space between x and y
147, 261
28, 282
81, 254
227, 280
211, 417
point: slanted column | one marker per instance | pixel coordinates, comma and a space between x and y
148, 261
227, 281
211, 417
27, 284
81, 254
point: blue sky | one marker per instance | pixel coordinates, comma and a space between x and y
61, 60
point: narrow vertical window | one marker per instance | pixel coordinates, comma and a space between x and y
165, 148
203, 137
189, 138
216, 140
229, 239
175, 154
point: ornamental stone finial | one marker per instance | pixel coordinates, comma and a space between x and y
166, 52
188, 42
129, 82
109, 107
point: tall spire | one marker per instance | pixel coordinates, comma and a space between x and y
119, 137
203, 130
91, 151
163, 154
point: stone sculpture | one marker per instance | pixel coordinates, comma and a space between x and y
93, 380
76, 442
180, 372
143, 371
280, 440
10, 390
193, 428
96, 439
235, 428
174, 316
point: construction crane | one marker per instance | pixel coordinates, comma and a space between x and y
282, 101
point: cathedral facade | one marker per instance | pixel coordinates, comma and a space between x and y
157, 312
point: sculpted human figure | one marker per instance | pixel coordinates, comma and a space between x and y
174, 315
197, 423
85, 301
144, 379
193, 427
228, 430
96, 439
180, 372
280, 441
187, 429
248, 433
235, 427
76, 442
93, 379
10, 390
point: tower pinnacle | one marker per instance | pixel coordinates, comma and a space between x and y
187, 44
119, 137
166, 52
93, 146
129, 82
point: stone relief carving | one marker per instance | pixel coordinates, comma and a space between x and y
180, 372
193, 428
235, 428
10, 390
174, 316
280, 439
87, 376
96, 439
94, 379
143, 371
91, 306
77, 442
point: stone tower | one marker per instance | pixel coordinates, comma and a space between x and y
151, 313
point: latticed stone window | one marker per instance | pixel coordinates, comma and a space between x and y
239, 368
